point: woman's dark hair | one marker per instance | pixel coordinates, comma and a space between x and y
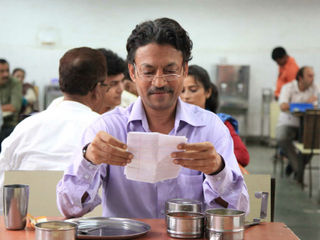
201, 76
80, 70
18, 69
163, 31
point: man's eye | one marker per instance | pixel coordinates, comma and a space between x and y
148, 73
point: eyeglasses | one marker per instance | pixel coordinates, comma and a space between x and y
150, 78
102, 85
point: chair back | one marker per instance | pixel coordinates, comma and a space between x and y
311, 132
274, 115
42, 196
258, 183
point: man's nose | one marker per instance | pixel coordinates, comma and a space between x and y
159, 81
120, 87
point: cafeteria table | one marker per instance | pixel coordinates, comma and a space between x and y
264, 231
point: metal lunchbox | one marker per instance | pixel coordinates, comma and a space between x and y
225, 224
185, 224
56, 230
183, 205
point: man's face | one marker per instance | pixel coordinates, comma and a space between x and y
282, 61
308, 77
159, 60
112, 98
130, 86
4, 73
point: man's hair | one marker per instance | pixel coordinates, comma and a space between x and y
162, 31
80, 70
300, 73
116, 64
201, 76
278, 52
3, 61
18, 69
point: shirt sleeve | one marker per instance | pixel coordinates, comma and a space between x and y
16, 96
240, 150
79, 178
229, 184
285, 95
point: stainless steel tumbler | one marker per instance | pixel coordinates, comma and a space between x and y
15, 206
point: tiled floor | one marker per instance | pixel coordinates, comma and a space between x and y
292, 204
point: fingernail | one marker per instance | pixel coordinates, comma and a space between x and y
130, 156
179, 147
174, 155
124, 146
175, 161
129, 161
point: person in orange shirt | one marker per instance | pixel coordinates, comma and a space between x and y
288, 68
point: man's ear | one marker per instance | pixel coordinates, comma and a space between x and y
132, 72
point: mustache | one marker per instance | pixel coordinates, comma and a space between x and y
164, 89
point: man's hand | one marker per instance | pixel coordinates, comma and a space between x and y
312, 99
106, 149
199, 156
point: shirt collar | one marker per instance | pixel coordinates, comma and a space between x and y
73, 105
184, 113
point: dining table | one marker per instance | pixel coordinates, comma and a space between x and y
263, 231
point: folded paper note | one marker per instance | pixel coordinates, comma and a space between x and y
152, 161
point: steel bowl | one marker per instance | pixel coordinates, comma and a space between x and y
185, 224
228, 223
56, 230
183, 205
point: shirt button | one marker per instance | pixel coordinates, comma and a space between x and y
218, 178
86, 176
162, 211
91, 167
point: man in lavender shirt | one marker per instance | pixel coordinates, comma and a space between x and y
158, 56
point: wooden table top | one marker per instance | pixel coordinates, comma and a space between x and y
264, 231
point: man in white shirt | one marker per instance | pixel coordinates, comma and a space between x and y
48, 140
301, 90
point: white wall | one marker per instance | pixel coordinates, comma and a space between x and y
242, 31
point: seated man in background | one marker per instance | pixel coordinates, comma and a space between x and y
48, 140
288, 68
10, 98
158, 56
301, 90
115, 75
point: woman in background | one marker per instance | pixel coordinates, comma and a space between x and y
29, 101
200, 91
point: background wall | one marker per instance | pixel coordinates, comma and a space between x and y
240, 32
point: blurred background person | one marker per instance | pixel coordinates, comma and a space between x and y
288, 68
129, 85
199, 90
116, 96
47, 140
10, 98
30, 99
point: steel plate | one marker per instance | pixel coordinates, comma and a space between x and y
114, 228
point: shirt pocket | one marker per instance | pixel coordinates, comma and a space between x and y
191, 186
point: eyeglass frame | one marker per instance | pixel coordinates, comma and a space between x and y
155, 76
102, 84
